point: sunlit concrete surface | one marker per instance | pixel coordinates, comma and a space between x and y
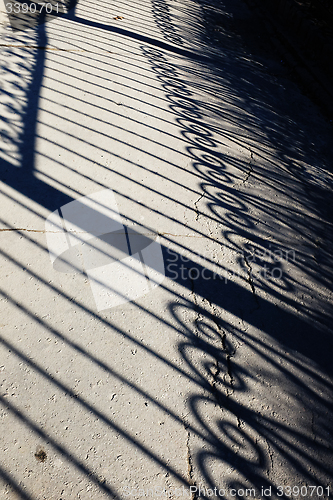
220, 378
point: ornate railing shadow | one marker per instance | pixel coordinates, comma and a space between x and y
267, 393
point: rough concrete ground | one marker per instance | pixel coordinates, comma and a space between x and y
222, 376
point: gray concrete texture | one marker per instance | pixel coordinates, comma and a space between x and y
219, 379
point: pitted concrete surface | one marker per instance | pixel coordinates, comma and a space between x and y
218, 382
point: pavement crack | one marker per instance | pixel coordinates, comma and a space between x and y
196, 206
216, 373
189, 461
249, 278
250, 171
13, 229
313, 426
201, 236
196, 308
229, 379
23, 229
270, 454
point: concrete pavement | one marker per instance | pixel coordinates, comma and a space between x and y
169, 126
